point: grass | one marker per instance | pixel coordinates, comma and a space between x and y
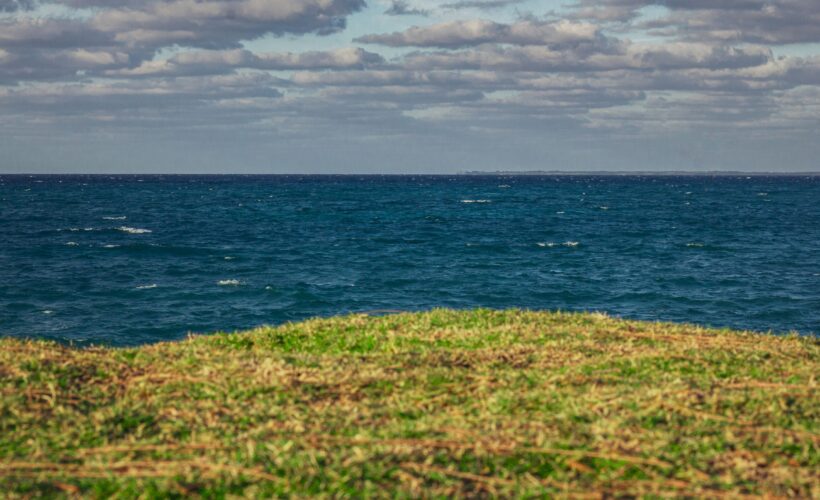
443, 403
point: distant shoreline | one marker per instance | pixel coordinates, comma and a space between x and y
628, 173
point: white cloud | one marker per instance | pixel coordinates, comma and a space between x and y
480, 31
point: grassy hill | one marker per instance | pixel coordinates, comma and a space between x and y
465, 403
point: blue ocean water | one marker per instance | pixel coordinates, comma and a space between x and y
127, 260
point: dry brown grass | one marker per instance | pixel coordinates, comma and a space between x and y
445, 403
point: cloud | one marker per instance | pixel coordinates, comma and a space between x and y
149, 26
225, 61
402, 8
222, 24
480, 4
15, 5
39, 33
632, 56
779, 22
139, 106
124, 35
479, 31
757, 21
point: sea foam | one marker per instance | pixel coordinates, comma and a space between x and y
550, 244
228, 282
133, 230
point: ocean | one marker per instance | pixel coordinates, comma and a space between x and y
129, 260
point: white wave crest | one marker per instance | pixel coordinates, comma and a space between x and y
133, 230
550, 244
147, 287
119, 217
228, 282
72, 244
476, 201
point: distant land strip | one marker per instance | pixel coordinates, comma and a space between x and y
693, 173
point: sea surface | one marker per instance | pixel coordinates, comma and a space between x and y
127, 260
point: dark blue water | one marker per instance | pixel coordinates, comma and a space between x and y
131, 260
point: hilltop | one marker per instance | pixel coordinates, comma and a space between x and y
465, 403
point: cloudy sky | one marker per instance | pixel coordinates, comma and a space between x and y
391, 86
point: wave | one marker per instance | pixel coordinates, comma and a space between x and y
72, 244
111, 246
550, 244
133, 230
476, 201
147, 287
694, 245
119, 217
228, 282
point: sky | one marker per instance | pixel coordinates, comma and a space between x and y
408, 86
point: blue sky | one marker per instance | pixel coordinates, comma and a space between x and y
384, 86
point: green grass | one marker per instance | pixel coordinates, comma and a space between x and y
443, 403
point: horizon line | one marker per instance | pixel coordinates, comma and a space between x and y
467, 173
